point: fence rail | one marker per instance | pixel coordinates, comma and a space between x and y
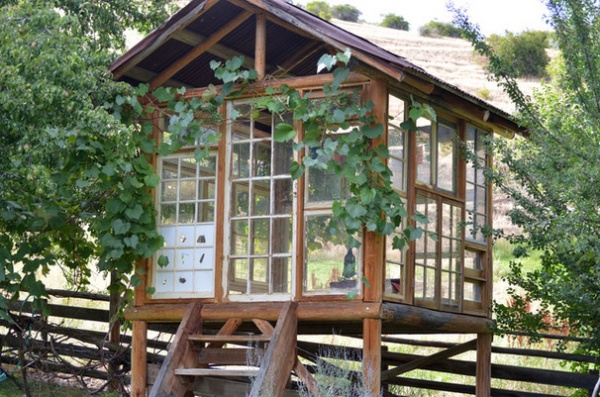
48, 343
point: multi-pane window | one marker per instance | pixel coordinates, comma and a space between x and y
436, 154
476, 196
261, 202
438, 253
395, 259
331, 266
184, 266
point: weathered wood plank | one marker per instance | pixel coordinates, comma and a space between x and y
221, 312
424, 361
250, 339
180, 355
483, 373
280, 356
237, 356
216, 372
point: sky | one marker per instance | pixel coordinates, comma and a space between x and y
492, 16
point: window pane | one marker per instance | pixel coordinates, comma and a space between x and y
331, 267
424, 151
262, 205
472, 292
396, 138
446, 157
426, 251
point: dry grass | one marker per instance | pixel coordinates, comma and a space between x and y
449, 59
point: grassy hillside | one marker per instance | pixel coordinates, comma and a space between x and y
449, 59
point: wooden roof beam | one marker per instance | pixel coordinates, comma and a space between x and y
144, 75
260, 46
220, 50
166, 35
199, 50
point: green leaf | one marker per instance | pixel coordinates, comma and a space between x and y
355, 210
296, 170
152, 181
163, 94
120, 227
372, 132
131, 241
365, 281
284, 132
163, 261
326, 62
134, 213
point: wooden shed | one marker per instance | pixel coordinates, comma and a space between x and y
239, 231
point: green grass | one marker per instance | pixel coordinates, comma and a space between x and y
503, 255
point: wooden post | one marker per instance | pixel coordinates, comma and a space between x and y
139, 359
374, 244
261, 46
484, 365
372, 357
114, 324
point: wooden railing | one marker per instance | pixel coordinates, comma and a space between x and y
73, 338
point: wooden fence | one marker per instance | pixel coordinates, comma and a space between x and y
73, 338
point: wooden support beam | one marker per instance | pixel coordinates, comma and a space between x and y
227, 329
280, 357
419, 319
374, 244
139, 359
421, 362
221, 312
372, 356
199, 50
180, 355
483, 376
224, 52
260, 57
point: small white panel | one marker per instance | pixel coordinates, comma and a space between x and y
205, 235
169, 234
204, 281
185, 259
170, 254
204, 259
184, 281
163, 282
185, 236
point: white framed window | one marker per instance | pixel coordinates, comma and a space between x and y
260, 204
185, 199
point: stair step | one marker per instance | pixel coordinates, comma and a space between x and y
237, 356
229, 338
216, 372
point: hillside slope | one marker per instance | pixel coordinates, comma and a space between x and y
449, 59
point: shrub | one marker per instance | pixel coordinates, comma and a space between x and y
320, 9
346, 12
394, 21
436, 28
524, 52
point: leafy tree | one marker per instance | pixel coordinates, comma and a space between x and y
554, 181
437, 28
68, 191
394, 21
526, 52
346, 12
320, 9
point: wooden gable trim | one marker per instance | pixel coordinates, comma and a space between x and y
199, 50
162, 38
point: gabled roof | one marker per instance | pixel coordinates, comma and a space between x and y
178, 53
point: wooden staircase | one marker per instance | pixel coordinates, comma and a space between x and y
269, 356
